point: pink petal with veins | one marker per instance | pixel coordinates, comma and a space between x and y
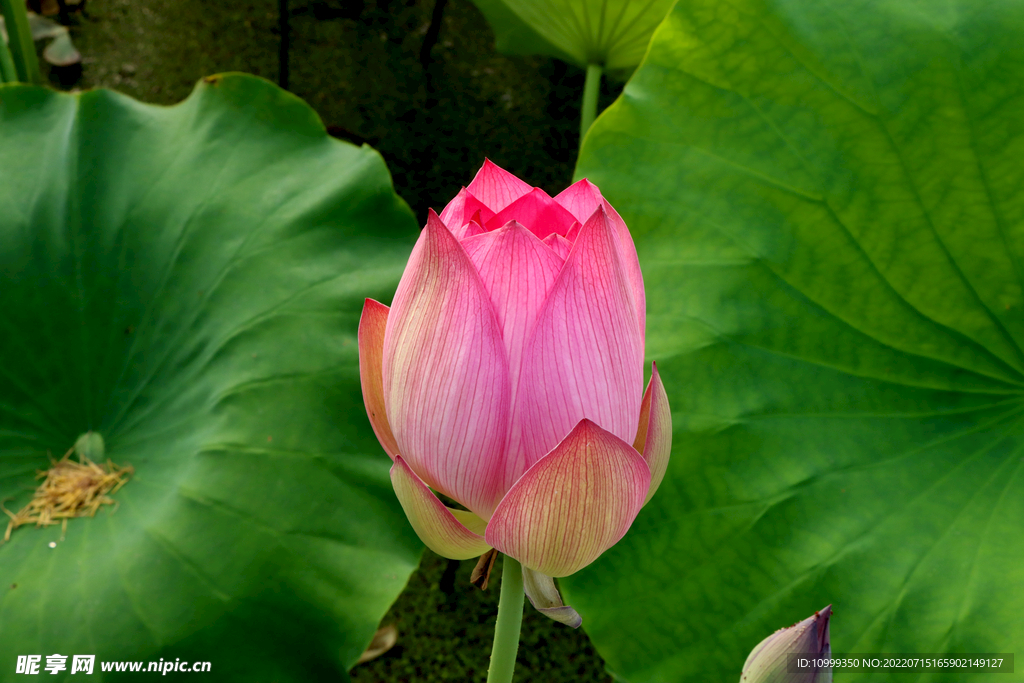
581, 199
496, 187
584, 358
446, 378
462, 209
541, 215
559, 245
518, 271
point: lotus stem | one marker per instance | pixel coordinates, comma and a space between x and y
23, 50
510, 619
8, 74
591, 89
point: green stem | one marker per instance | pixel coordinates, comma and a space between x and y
23, 50
8, 74
510, 618
591, 88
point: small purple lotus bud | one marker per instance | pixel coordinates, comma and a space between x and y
769, 661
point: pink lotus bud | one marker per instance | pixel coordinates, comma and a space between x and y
508, 375
769, 661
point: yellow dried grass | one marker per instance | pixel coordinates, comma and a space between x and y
69, 489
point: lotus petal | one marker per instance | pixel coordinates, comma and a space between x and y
446, 378
464, 208
558, 244
654, 437
631, 262
518, 272
447, 532
545, 598
469, 229
581, 199
541, 215
769, 661
496, 187
585, 355
372, 324
574, 504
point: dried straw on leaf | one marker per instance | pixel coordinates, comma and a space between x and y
70, 489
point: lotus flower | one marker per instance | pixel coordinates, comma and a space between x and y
769, 663
508, 375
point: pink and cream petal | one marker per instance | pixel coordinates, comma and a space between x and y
541, 215
572, 505
558, 244
654, 436
584, 358
449, 533
545, 598
496, 187
372, 324
470, 521
446, 378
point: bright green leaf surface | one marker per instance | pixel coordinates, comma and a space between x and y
610, 33
827, 204
187, 281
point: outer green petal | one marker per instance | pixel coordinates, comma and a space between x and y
573, 504
544, 596
654, 437
442, 530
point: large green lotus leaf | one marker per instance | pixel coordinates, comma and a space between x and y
187, 282
611, 33
827, 203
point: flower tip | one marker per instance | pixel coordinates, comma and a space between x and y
434, 221
770, 660
822, 618
586, 424
510, 226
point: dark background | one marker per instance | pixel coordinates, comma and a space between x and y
433, 113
